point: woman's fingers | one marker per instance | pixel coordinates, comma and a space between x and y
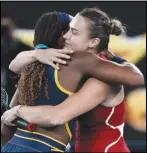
6, 120
9, 124
66, 51
60, 61
60, 55
54, 65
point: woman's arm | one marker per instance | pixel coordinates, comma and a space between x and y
7, 132
21, 60
47, 56
108, 71
126, 74
90, 95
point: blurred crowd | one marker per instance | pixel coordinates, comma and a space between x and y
10, 47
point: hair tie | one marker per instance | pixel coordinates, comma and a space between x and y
64, 18
41, 46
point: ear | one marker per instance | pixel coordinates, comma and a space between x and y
94, 42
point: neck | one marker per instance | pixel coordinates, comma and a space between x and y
92, 51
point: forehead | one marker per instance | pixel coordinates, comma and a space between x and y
80, 23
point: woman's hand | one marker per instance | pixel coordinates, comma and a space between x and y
10, 115
49, 56
46, 56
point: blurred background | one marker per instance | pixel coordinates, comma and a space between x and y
18, 20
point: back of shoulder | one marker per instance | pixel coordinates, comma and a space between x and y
83, 59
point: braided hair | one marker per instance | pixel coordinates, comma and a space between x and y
48, 30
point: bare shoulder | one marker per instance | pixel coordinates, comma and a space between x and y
82, 58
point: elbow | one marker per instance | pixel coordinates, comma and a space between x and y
136, 77
12, 67
141, 80
138, 80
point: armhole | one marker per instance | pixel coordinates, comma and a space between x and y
59, 86
68, 130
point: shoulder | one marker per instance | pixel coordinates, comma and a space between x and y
80, 58
77, 55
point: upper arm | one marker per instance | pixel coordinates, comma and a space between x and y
21, 60
111, 72
88, 97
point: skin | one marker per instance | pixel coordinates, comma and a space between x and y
93, 92
77, 37
78, 40
52, 55
7, 132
